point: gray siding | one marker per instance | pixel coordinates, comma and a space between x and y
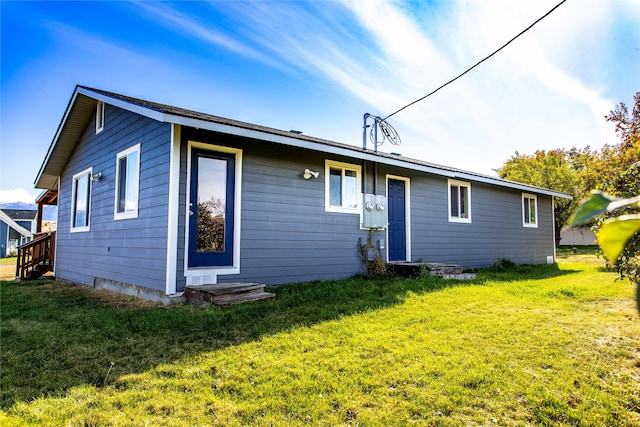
286, 234
129, 250
4, 239
496, 230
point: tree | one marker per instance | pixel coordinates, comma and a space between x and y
617, 171
547, 169
210, 226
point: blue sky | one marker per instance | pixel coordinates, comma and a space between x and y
319, 66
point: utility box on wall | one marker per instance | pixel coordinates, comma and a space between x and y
374, 211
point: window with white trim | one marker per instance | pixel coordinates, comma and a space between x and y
342, 187
127, 183
459, 201
529, 210
81, 201
99, 116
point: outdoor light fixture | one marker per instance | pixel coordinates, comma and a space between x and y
96, 177
308, 173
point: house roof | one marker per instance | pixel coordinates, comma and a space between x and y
13, 224
21, 214
84, 99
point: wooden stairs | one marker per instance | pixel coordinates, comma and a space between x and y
224, 294
36, 257
446, 271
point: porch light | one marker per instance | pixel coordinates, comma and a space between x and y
308, 173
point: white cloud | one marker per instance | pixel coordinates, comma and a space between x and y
17, 195
532, 95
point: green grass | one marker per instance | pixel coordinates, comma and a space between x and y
543, 345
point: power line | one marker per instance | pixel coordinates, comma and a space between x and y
479, 62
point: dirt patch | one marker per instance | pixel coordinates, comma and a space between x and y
112, 299
8, 269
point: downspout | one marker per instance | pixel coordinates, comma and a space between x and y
364, 130
553, 226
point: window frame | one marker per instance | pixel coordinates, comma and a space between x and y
331, 164
528, 196
464, 184
74, 201
133, 213
100, 107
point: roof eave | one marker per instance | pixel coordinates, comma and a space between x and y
348, 151
82, 105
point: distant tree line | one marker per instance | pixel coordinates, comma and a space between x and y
613, 170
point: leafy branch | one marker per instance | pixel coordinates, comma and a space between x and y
615, 232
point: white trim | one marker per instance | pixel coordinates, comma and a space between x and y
100, 107
89, 173
553, 227
328, 165
128, 106
407, 213
530, 224
134, 212
467, 219
173, 211
194, 275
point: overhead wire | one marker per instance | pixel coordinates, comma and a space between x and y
479, 62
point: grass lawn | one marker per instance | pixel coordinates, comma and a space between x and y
546, 345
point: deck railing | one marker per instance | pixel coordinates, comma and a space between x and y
36, 257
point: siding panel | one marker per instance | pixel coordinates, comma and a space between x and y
129, 250
286, 233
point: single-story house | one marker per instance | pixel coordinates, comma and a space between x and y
17, 227
158, 198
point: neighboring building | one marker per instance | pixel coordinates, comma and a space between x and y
158, 197
577, 236
17, 226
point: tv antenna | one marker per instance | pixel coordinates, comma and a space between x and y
380, 132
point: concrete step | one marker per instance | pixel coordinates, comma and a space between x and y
462, 276
224, 294
414, 269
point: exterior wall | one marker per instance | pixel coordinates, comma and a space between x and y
286, 235
28, 224
496, 230
132, 250
4, 239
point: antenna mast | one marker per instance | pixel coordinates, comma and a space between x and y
380, 132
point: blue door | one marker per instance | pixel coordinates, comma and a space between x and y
397, 220
211, 208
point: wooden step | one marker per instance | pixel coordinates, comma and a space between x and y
224, 294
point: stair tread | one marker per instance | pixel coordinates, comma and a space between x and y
240, 298
227, 288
